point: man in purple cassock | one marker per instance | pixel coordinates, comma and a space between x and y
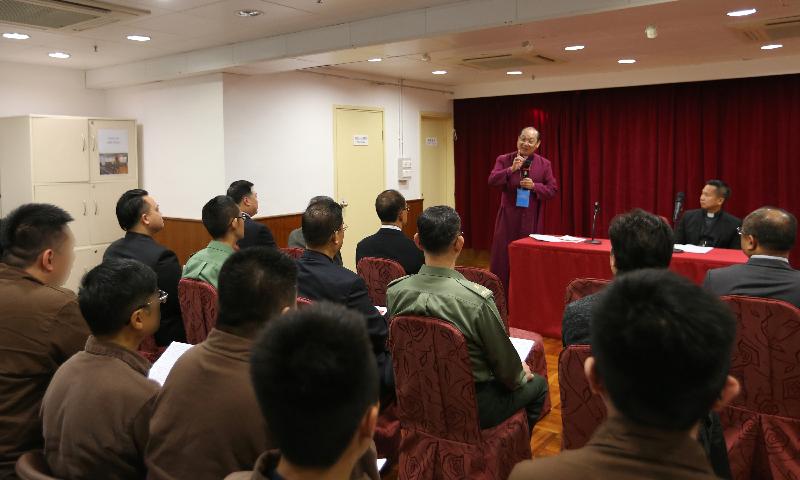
518, 217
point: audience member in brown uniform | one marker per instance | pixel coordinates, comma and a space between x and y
318, 388
662, 349
96, 412
40, 325
206, 422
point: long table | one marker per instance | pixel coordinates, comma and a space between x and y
541, 271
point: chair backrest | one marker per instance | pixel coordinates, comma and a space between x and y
33, 466
303, 302
581, 410
199, 308
377, 274
491, 281
293, 252
766, 356
433, 378
583, 287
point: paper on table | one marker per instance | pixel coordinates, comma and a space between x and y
554, 239
522, 346
163, 365
381, 463
382, 310
693, 248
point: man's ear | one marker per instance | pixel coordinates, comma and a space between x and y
416, 241
458, 245
729, 391
590, 370
136, 321
369, 422
47, 260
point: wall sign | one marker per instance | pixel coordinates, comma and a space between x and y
432, 141
112, 146
360, 140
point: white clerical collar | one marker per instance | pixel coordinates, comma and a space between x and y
393, 227
771, 257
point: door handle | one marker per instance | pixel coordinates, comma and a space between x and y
95, 207
94, 143
83, 143
343, 203
84, 208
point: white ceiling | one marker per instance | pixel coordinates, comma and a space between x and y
689, 32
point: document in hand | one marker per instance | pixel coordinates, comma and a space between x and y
522, 346
163, 365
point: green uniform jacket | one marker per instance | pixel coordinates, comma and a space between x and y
206, 263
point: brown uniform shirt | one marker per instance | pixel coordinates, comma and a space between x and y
622, 450
207, 422
40, 328
264, 469
96, 412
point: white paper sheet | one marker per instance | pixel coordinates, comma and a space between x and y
693, 248
554, 239
381, 463
522, 346
382, 310
163, 365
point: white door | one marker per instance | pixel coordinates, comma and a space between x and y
75, 198
114, 153
60, 150
104, 225
436, 161
360, 178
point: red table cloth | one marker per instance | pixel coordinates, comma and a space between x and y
541, 271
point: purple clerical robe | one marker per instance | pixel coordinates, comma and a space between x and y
515, 222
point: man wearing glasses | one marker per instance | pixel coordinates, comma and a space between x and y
526, 180
319, 278
225, 224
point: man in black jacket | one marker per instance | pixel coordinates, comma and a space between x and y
241, 191
709, 225
319, 278
390, 242
139, 216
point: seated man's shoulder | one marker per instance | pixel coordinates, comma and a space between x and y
478, 292
402, 281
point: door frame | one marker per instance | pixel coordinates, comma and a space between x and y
450, 161
380, 110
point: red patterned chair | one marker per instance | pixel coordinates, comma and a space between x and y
33, 466
149, 350
583, 287
762, 424
581, 410
199, 308
303, 302
293, 252
536, 359
378, 273
441, 437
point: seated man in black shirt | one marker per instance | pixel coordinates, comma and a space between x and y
709, 225
390, 242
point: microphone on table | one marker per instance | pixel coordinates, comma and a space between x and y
678, 206
594, 223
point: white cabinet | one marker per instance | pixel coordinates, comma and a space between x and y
81, 164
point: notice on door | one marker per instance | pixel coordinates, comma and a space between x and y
112, 147
432, 141
360, 140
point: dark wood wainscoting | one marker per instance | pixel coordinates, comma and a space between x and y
186, 236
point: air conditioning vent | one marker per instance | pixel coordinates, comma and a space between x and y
506, 61
64, 15
770, 30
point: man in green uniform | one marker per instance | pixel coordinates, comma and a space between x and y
225, 224
503, 384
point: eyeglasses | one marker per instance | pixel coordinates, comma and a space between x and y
740, 231
162, 298
407, 208
528, 141
342, 228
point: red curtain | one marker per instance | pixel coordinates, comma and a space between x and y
636, 147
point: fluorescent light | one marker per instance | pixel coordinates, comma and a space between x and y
376, 59
16, 36
249, 13
626, 60
439, 72
742, 13
573, 48
514, 72
60, 55
138, 38
771, 46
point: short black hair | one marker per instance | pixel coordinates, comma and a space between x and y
723, 190
217, 215
254, 284
130, 208
389, 204
315, 377
29, 230
662, 346
110, 292
640, 240
775, 228
240, 189
320, 198
320, 220
438, 228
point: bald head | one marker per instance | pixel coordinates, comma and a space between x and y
774, 229
530, 132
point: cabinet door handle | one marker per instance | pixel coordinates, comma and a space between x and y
84, 208
95, 207
83, 143
94, 143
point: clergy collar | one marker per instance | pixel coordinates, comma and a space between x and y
392, 227
712, 215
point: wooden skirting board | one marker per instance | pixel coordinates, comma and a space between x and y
186, 236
